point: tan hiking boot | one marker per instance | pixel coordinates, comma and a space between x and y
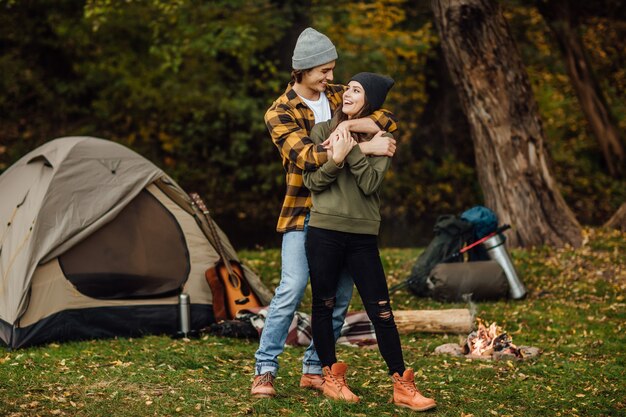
335, 385
405, 394
312, 381
263, 386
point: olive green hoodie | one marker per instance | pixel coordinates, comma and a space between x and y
345, 198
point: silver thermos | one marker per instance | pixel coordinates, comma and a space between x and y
183, 310
497, 252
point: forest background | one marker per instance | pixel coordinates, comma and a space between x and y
186, 84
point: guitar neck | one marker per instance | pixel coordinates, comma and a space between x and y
197, 200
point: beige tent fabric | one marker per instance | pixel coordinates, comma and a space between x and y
55, 196
181, 198
201, 254
51, 292
60, 193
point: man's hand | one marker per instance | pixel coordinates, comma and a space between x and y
345, 125
379, 145
362, 125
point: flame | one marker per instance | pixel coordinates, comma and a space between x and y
485, 340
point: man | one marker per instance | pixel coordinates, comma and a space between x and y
308, 99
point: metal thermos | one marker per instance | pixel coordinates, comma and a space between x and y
183, 309
497, 251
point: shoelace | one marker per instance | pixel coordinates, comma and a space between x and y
340, 381
267, 378
409, 385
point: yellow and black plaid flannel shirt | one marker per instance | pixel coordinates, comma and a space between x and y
290, 121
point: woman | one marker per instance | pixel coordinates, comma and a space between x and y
343, 230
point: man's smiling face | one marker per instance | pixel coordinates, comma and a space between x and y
316, 79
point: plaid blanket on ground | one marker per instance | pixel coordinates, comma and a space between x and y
357, 329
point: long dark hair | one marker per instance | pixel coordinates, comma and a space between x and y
365, 111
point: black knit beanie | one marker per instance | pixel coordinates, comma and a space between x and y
376, 87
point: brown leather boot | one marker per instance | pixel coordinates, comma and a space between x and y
405, 394
263, 386
312, 381
335, 385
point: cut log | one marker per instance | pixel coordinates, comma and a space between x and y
458, 320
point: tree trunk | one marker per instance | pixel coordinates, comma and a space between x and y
561, 20
442, 124
618, 220
513, 168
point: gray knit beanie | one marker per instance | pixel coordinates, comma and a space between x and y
376, 87
312, 49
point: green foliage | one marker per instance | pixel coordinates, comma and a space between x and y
574, 312
395, 38
40, 94
189, 92
186, 84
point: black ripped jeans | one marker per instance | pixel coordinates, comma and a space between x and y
328, 251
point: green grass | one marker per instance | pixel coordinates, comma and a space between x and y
575, 312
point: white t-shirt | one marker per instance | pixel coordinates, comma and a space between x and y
320, 107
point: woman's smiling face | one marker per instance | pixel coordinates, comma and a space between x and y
353, 99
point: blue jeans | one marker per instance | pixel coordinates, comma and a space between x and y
286, 300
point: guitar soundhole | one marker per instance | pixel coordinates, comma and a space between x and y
234, 280
230, 276
237, 282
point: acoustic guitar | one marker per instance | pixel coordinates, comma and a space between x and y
236, 290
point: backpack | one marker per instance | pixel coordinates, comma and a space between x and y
485, 222
451, 233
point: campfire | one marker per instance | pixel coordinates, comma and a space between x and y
488, 342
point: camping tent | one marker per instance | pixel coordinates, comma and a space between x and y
96, 241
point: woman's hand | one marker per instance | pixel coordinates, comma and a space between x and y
341, 144
327, 144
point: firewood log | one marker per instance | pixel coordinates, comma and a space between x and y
457, 320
